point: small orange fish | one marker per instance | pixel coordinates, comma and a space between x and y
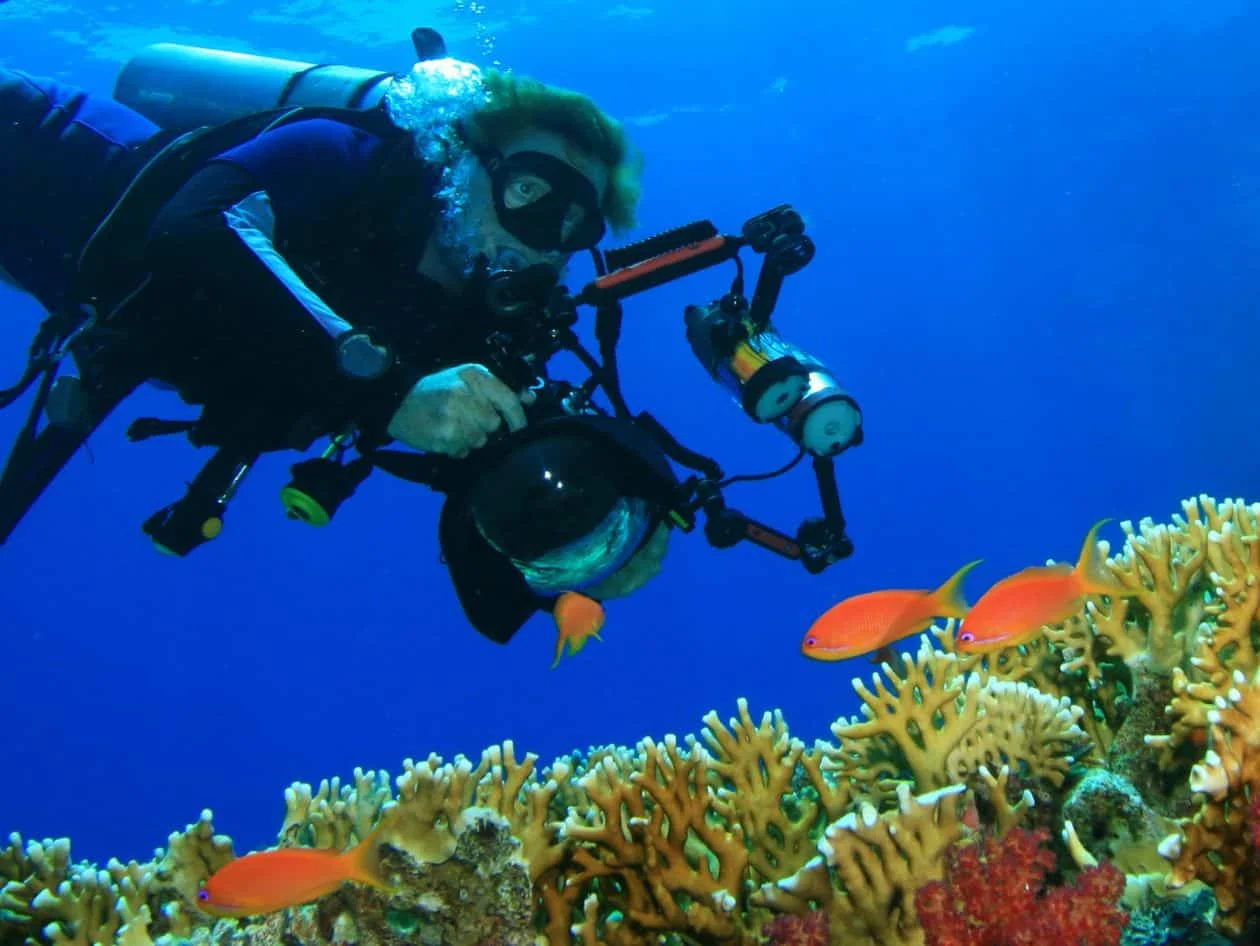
1015, 609
868, 623
273, 880
578, 618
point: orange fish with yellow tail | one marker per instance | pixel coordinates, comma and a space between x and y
578, 619
267, 881
1016, 609
870, 623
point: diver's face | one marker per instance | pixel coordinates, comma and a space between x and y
522, 188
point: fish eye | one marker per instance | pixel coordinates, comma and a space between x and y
810, 641
966, 637
202, 896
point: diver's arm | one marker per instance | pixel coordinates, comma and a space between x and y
211, 248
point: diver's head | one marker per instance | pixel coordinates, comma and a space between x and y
531, 174
535, 199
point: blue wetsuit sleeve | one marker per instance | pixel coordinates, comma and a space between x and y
306, 167
213, 250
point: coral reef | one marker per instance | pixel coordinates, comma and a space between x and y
1116, 757
705, 839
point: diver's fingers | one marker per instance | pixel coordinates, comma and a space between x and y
471, 433
477, 415
502, 399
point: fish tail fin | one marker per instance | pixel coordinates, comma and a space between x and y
1091, 568
948, 600
363, 861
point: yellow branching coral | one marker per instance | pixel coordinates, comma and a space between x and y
532, 806
48, 898
192, 856
1079, 649
911, 720
1234, 553
1226, 641
870, 865
1151, 633
1072, 667
1162, 564
756, 766
1063, 662
1020, 728
1006, 806
676, 864
336, 816
424, 814
930, 727
1215, 845
428, 812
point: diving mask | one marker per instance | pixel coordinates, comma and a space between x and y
544, 202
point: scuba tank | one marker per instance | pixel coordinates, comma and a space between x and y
182, 87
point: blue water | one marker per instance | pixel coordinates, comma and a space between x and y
1037, 238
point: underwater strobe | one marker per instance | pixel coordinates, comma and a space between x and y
772, 380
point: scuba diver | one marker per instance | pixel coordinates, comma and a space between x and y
308, 253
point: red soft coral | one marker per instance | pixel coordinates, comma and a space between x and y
994, 894
808, 930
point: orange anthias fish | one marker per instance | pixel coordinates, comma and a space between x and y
288, 877
578, 618
869, 623
1015, 609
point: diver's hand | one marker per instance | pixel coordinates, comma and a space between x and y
454, 411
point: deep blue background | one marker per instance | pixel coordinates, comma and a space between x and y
1036, 269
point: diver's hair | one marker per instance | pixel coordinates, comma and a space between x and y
516, 104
